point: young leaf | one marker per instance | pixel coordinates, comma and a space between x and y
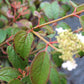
16, 61
2, 35
22, 43
51, 10
40, 68
7, 74
82, 21
15, 81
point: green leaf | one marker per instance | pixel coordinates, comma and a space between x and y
82, 21
62, 12
81, 53
63, 25
2, 35
56, 77
66, 7
48, 29
7, 74
65, 1
2, 24
40, 45
14, 30
51, 35
51, 10
26, 80
15, 81
56, 59
80, 7
8, 31
40, 68
22, 43
16, 61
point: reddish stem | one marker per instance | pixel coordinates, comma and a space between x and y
75, 14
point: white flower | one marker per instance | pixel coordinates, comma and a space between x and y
60, 29
69, 65
80, 37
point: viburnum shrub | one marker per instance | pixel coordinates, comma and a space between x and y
27, 53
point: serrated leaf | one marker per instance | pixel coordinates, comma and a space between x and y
16, 61
63, 25
22, 43
56, 59
2, 35
51, 10
82, 21
15, 81
14, 30
26, 80
40, 68
7, 74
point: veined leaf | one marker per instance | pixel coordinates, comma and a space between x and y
40, 68
7, 74
15, 81
2, 35
56, 77
51, 10
16, 61
22, 43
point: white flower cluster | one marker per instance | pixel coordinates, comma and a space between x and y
80, 37
69, 43
60, 29
69, 65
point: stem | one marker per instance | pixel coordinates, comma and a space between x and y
76, 31
44, 40
3, 57
5, 42
36, 50
46, 24
58, 19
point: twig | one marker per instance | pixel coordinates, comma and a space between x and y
44, 40
5, 42
76, 31
58, 19
36, 50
